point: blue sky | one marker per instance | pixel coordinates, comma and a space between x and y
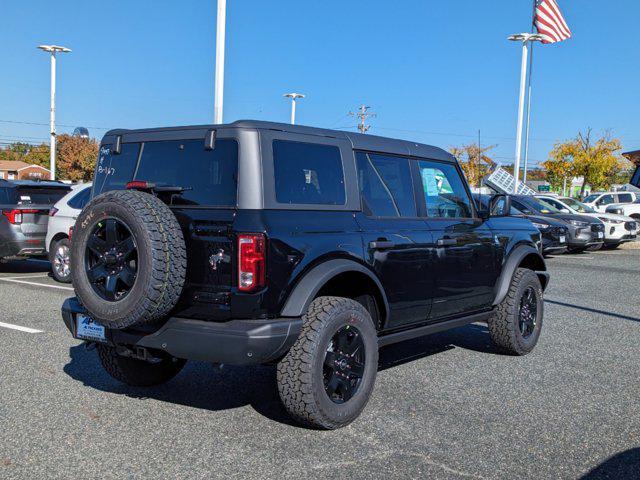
433, 71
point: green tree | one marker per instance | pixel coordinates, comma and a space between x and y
38, 155
474, 161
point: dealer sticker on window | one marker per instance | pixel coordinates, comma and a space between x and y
88, 329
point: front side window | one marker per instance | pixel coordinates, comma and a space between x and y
606, 200
204, 177
444, 191
308, 173
385, 185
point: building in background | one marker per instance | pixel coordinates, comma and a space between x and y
17, 170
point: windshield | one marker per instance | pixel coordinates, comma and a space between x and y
540, 205
578, 206
591, 198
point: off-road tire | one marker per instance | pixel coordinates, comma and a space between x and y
300, 372
137, 373
504, 326
162, 258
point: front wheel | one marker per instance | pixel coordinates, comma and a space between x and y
516, 323
138, 373
327, 377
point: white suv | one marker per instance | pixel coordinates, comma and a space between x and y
628, 209
618, 229
61, 218
601, 200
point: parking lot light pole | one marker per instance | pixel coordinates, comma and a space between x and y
525, 38
220, 44
53, 49
294, 97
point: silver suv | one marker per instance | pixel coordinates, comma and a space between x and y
25, 208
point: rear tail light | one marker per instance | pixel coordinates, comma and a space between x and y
15, 216
251, 261
53, 211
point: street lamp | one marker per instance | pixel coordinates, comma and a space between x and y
525, 38
221, 21
293, 97
53, 49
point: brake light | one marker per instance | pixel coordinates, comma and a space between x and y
15, 216
251, 261
139, 185
53, 211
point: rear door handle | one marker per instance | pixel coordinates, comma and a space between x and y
381, 244
447, 242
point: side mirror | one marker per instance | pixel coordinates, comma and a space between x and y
500, 205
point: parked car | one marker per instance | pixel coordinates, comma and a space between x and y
263, 243
631, 210
601, 200
584, 232
62, 218
25, 208
618, 229
554, 232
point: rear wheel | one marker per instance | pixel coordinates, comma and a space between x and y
60, 258
516, 323
326, 379
138, 373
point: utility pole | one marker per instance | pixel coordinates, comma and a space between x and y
220, 43
294, 97
362, 115
525, 39
52, 49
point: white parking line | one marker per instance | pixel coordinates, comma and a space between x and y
26, 276
35, 284
18, 327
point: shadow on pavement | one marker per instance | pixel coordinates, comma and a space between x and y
25, 266
594, 310
624, 465
201, 385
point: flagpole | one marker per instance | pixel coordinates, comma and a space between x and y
528, 128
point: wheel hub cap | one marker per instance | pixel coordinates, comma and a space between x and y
343, 367
528, 313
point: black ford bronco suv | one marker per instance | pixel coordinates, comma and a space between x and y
265, 243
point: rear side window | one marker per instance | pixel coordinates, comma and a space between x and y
79, 200
635, 179
308, 173
209, 177
625, 198
39, 196
113, 172
385, 184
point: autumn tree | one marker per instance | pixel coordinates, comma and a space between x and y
38, 155
474, 161
76, 157
596, 160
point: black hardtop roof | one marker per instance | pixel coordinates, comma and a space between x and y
358, 141
32, 183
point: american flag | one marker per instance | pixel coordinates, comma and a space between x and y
550, 22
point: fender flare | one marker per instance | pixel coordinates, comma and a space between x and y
308, 287
509, 269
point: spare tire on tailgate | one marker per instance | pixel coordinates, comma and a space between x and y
128, 258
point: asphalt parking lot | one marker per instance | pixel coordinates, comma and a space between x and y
445, 406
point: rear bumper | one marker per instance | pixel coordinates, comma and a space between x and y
236, 342
23, 248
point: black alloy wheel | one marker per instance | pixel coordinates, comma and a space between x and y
528, 312
344, 363
111, 259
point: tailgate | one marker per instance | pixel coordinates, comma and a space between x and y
35, 221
